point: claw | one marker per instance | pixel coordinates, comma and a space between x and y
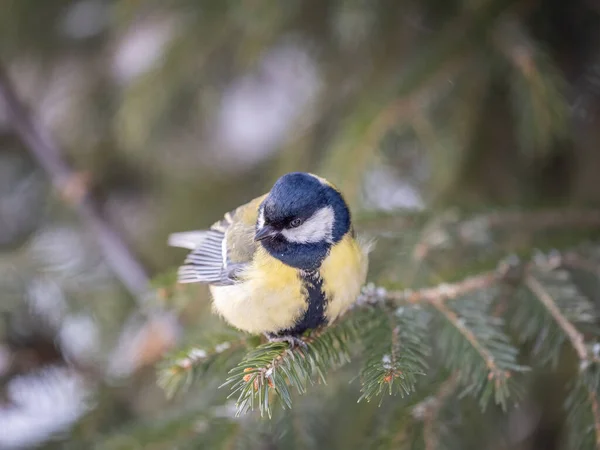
292, 341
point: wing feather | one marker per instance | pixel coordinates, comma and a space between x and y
220, 253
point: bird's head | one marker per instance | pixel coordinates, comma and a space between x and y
300, 219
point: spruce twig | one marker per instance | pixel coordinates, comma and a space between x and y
273, 368
73, 189
577, 341
488, 223
488, 368
575, 261
453, 318
429, 410
440, 293
595, 406
396, 342
180, 370
574, 336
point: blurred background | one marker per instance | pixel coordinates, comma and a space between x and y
159, 116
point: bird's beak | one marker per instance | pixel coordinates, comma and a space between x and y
265, 232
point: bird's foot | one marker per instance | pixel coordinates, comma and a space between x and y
293, 341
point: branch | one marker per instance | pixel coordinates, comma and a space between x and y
577, 341
486, 359
593, 398
574, 261
435, 294
396, 342
453, 318
275, 367
73, 190
181, 369
574, 336
530, 221
429, 411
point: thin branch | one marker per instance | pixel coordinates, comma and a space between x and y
298, 349
595, 412
393, 349
576, 339
181, 370
574, 336
432, 408
575, 261
453, 318
391, 115
197, 356
438, 293
530, 221
73, 189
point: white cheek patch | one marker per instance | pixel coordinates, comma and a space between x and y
260, 222
318, 228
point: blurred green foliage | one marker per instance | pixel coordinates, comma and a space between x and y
180, 110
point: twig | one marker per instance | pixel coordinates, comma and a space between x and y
576, 339
595, 412
437, 296
574, 261
550, 219
453, 318
71, 187
441, 292
574, 336
197, 356
395, 112
432, 410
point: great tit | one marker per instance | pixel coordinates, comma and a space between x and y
284, 263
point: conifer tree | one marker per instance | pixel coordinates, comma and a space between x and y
478, 327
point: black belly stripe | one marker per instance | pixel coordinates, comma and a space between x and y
316, 299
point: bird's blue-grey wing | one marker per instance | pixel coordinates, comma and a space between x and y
219, 254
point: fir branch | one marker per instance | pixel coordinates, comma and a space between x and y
74, 190
533, 320
429, 410
440, 293
397, 345
473, 343
201, 426
180, 370
584, 409
595, 407
268, 371
573, 260
574, 336
468, 334
480, 228
487, 360
583, 403
537, 87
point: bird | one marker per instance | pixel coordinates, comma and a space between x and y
284, 263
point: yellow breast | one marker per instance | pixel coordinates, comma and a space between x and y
269, 299
272, 296
344, 272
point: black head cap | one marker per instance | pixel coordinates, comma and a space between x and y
299, 195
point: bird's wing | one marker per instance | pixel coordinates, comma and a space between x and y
220, 253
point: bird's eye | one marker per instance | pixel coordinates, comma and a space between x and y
296, 223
